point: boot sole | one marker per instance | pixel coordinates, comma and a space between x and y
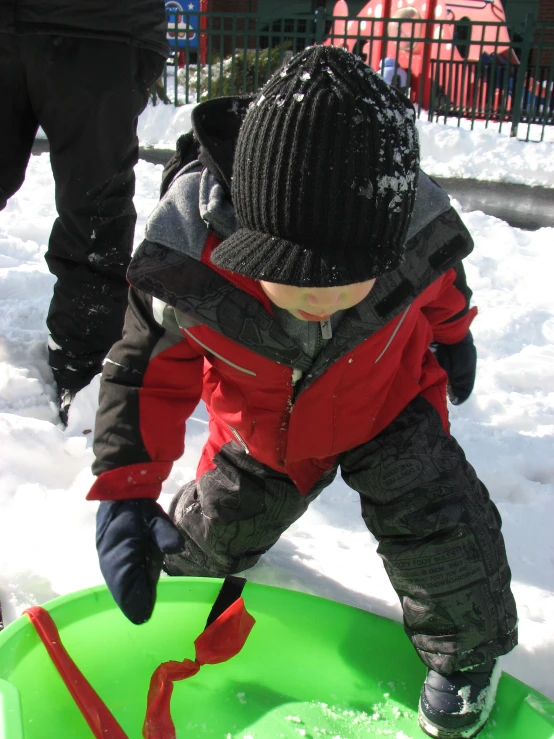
439, 732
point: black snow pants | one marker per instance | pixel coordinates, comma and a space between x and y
87, 95
438, 532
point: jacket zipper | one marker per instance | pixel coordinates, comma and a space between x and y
296, 377
240, 440
297, 374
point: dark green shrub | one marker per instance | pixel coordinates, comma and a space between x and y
244, 72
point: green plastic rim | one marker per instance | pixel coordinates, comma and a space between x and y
310, 668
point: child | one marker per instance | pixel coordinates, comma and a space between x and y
393, 74
390, 68
299, 299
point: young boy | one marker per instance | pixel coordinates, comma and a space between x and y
299, 299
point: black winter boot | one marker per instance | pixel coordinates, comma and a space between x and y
457, 706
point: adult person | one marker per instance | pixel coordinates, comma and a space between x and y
82, 71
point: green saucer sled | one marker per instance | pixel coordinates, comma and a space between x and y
310, 668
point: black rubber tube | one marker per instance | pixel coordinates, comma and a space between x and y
520, 206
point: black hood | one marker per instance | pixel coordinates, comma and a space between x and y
216, 124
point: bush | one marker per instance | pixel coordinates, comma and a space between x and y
244, 72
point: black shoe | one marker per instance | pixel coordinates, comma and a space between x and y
65, 398
457, 706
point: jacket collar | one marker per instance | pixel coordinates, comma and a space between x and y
237, 307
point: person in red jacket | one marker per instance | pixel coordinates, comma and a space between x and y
303, 277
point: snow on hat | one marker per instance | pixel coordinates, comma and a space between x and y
324, 175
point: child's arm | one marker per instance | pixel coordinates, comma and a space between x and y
448, 311
450, 317
151, 383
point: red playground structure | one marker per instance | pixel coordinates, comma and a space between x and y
445, 42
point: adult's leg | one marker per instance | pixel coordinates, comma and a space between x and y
440, 540
88, 95
234, 513
18, 124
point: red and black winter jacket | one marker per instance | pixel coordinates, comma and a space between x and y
193, 331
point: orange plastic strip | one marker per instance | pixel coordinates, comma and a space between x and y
220, 641
102, 723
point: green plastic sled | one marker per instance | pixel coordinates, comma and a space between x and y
310, 669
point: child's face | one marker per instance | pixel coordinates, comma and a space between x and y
316, 303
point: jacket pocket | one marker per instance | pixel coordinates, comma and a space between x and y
213, 353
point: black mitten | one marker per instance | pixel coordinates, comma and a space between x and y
459, 361
131, 538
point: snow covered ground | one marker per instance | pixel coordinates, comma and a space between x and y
447, 150
507, 427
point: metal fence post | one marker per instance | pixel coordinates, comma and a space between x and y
319, 25
427, 48
521, 73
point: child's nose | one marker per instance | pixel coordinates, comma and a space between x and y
323, 303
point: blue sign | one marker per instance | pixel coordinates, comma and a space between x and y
182, 23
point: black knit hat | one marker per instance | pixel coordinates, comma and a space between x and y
324, 175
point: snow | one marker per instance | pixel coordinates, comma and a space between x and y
446, 150
506, 428
485, 154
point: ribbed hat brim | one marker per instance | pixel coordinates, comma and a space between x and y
262, 256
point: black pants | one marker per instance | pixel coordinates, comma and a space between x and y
438, 532
87, 95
